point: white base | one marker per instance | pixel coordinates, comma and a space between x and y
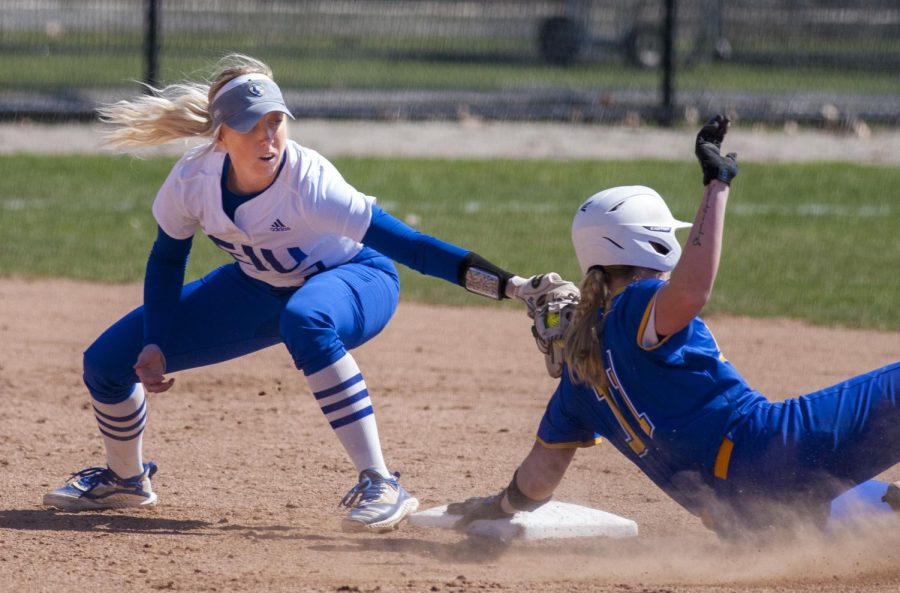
554, 520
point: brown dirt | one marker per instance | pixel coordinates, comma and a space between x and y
474, 139
250, 474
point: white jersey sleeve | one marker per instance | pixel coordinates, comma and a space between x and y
336, 207
170, 208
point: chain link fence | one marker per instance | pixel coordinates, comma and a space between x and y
811, 61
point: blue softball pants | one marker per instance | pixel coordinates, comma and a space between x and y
227, 314
804, 452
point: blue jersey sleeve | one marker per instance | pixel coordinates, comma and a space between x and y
413, 249
162, 285
636, 302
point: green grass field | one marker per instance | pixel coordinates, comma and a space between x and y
52, 72
809, 241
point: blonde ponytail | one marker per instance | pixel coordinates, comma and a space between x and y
584, 338
174, 112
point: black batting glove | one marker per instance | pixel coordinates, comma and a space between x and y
476, 508
708, 147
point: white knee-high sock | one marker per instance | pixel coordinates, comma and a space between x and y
122, 428
341, 393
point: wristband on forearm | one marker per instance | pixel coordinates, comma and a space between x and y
480, 276
514, 500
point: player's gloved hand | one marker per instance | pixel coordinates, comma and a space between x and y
551, 302
708, 151
477, 508
541, 290
151, 368
549, 330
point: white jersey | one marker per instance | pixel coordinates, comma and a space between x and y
308, 220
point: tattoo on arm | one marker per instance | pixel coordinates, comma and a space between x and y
697, 241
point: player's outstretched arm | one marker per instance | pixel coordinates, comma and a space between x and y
434, 257
691, 284
532, 486
542, 471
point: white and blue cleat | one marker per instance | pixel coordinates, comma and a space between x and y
99, 488
377, 504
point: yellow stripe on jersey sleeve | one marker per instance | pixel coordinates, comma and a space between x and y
569, 445
642, 327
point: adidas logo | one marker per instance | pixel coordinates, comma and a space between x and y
279, 226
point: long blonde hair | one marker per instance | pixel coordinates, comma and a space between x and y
584, 338
177, 111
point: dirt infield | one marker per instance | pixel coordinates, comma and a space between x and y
250, 473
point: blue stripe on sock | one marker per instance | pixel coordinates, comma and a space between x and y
337, 388
118, 438
345, 402
125, 428
122, 418
367, 411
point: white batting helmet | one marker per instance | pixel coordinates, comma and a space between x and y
626, 226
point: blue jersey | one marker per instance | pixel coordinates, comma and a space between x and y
667, 407
682, 413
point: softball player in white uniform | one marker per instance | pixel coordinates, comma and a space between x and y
310, 272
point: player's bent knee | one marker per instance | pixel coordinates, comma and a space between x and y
105, 382
297, 322
311, 339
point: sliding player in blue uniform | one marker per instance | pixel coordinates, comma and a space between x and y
312, 271
643, 371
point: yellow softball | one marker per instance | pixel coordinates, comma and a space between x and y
551, 319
